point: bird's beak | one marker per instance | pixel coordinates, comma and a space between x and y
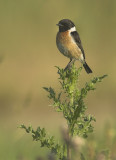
59, 24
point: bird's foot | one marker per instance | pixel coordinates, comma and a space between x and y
69, 65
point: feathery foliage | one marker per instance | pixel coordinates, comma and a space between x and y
70, 102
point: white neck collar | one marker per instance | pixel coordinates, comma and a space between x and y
72, 29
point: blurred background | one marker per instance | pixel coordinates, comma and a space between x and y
28, 54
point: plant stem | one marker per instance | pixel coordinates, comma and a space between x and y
68, 147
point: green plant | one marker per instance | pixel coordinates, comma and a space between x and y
70, 102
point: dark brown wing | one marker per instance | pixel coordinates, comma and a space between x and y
77, 39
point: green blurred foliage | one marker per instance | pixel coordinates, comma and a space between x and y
28, 55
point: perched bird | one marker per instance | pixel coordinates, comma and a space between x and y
69, 43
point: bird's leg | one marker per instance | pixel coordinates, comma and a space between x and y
69, 65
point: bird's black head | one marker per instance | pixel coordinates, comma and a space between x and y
65, 24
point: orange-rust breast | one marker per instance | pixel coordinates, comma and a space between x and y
67, 45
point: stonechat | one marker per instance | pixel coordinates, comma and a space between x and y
69, 43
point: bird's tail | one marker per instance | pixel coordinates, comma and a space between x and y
87, 68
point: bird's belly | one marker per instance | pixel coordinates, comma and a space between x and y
67, 46
64, 50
